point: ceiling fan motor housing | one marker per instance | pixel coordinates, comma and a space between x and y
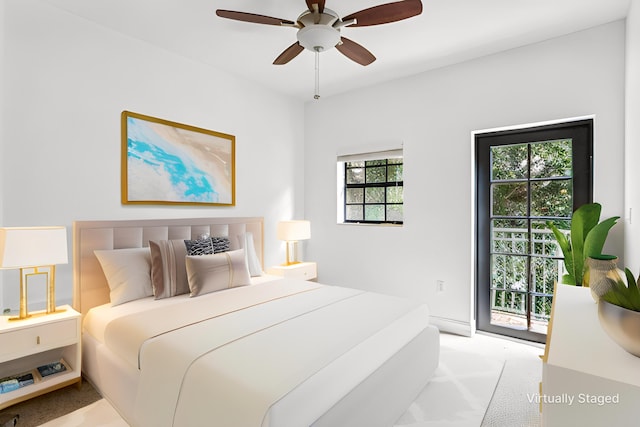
318, 33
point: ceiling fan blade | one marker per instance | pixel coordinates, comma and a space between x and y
385, 13
252, 17
320, 4
288, 54
355, 52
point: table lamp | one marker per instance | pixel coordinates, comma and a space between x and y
35, 251
291, 232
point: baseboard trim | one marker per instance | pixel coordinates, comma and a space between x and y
452, 326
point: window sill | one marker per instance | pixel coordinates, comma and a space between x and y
368, 224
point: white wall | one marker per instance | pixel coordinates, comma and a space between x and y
434, 114
2, 108
632, 138
67, 81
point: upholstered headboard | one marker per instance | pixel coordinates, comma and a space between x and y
90, 286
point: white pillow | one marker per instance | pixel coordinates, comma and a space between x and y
128, 272
210, 273
245, 241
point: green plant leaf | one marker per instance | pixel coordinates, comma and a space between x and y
624, 295
565, 246
594, 241
588, 216
568, 279
618, 294
634, 291
630, 279
583, 220
612, 295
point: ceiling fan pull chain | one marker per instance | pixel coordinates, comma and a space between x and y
317, 94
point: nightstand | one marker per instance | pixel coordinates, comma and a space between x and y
28, 344
300, 270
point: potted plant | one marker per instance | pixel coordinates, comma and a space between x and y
619, 311
585, 240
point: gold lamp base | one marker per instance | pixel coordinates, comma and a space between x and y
34, 314
291, 260
28, 272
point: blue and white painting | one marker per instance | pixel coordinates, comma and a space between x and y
174, 164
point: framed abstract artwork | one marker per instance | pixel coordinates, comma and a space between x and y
170, 163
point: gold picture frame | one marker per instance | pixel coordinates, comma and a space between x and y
169, 163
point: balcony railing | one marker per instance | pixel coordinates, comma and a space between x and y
511, 275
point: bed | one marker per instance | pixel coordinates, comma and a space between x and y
264, 351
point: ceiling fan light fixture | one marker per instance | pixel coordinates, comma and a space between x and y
318, 36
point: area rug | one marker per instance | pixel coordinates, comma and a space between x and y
511, 404
460, 391
37, 411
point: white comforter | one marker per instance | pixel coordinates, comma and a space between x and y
243, 360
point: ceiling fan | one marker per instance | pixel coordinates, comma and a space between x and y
319, 28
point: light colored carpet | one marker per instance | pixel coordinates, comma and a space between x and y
462, 387
464, 393
481, 381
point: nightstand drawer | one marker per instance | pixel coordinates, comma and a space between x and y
305, 271
38, 338
301, 270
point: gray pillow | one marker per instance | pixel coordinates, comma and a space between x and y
168, 271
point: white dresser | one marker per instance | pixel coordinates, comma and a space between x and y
587, 379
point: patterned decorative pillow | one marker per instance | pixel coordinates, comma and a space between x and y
207, 246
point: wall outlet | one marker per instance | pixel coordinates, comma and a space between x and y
439, 286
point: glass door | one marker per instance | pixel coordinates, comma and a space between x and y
525, 178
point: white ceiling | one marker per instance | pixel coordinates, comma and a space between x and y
446, 32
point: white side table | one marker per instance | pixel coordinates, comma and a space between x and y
36, 341
300, 270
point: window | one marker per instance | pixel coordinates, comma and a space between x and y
371, 189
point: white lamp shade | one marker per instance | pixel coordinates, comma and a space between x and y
292, 231
32, 246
